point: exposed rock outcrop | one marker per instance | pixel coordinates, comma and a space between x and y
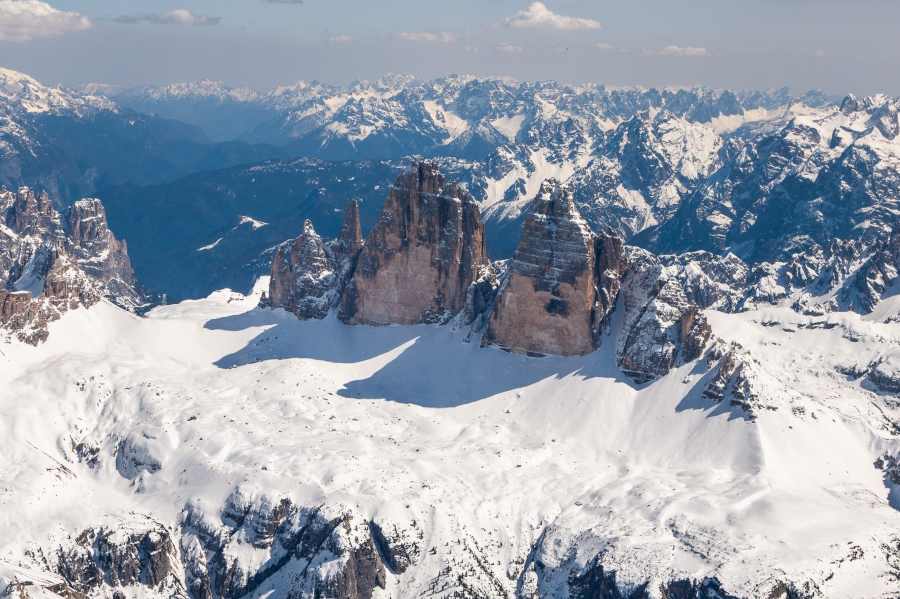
878, 274
416, 266
304, 280
350, 240
304, 552
425, 263
252, 546
562, 281
309, 273
133, 553
50, 264
884, 374
663, 297
420, 259
96, 250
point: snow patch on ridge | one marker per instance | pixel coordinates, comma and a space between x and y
509, 126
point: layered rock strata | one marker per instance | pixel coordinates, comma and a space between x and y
562, 281
418, 262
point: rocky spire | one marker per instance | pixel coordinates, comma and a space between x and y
94, 247
562, 282
350, 238
423, 254
303, 276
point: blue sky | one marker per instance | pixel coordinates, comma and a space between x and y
834, 45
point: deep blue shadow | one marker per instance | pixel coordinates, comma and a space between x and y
432, 366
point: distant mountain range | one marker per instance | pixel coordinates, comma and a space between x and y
461, 116
763, 174
72, 143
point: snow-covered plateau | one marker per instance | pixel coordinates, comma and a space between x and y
217, 449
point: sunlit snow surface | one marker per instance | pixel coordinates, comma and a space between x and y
416, 423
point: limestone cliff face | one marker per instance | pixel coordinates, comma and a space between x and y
424, 262
95, 248
350, 240
309, 273
562, 282
418, 262
662, 301
303, 276
51, 263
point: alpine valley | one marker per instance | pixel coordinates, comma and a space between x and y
460, 338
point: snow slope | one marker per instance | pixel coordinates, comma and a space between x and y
509, 459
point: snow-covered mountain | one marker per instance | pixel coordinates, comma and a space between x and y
803, 180
72, 143
601, 344
222, 112
463, 116
666, 182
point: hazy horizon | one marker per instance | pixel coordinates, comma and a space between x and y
800, 44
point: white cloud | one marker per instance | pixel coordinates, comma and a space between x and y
440, 37
341, 39
604, 46
23, 20
538, 15
510, 49
681, 51
179, 16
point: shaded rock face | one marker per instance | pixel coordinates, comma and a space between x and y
350, 240
884, 374
309, 273
50, 264
140, 553
875, 277
253, 545
303, 276
418, 262
562, 281
662, 298
595, 580
597, 583
300, 551
94, 247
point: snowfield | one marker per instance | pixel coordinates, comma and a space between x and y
529, 468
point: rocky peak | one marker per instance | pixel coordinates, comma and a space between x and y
86, 222
850, 104
562, 281
47, 268
95, 248
423, 254
303, 276
27, 213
